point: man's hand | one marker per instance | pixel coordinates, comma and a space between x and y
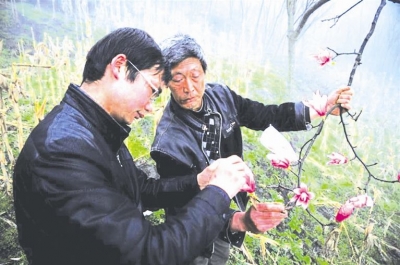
342, 96
259, 218
230, 174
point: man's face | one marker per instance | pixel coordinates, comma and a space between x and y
187, 84
133, 100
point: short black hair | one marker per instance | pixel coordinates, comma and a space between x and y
138, 46
178, 48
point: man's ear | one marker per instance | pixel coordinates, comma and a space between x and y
118, 65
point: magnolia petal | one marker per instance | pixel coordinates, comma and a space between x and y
319, 103
275, 142
324, 57
278, 161
361, 201
344, 212
302, 196
297, 191
303, 186
302, 204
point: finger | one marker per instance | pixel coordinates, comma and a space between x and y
268, 225
250, 185
268, 216
271, 222
343, 89
240, 168
343, 100
214, 165
270, 207
348, 92
265, 228
346, 106
345, 97
249, 173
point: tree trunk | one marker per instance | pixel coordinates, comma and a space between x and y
291, 9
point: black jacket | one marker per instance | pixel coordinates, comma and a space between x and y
79, 197
177, 147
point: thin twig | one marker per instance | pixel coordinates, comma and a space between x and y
336, 19
371, 31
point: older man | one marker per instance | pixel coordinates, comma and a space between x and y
201, 123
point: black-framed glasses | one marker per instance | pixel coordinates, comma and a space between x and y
155, 91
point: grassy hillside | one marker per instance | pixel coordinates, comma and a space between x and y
35, 74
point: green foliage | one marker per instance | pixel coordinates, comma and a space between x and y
156, 217
53, 63
9, 246
138, 141
303, 240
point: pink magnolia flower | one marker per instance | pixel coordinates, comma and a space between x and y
302, 196
348, 207
279, 161
319, 103
252, 186
398, 177
337, 159
282, 154
324, 57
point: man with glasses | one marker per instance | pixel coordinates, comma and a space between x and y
79, 198
201, 123
155, 92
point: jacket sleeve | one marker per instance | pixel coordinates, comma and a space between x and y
171, 170
168, 167
80, 201
288, 116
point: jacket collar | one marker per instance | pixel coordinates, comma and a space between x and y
188, 116
114, 132
214, 93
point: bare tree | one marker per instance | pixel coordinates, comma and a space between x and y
293, 33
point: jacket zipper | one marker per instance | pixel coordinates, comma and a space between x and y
204, 128
119, 160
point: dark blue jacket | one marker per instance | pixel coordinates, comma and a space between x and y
177, 147
79, 197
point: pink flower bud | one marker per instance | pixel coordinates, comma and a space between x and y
324, 57
348, 207
337, 159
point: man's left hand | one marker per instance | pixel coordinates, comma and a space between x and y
259, 218
342, 96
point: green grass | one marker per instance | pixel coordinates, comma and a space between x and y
302, 240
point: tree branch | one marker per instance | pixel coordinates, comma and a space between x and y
307, 14
371, 31
336, 19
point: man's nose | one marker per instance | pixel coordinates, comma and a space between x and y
149, 107
188, 86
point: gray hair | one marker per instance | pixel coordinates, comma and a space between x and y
178, 48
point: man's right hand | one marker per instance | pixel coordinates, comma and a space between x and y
230, 174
